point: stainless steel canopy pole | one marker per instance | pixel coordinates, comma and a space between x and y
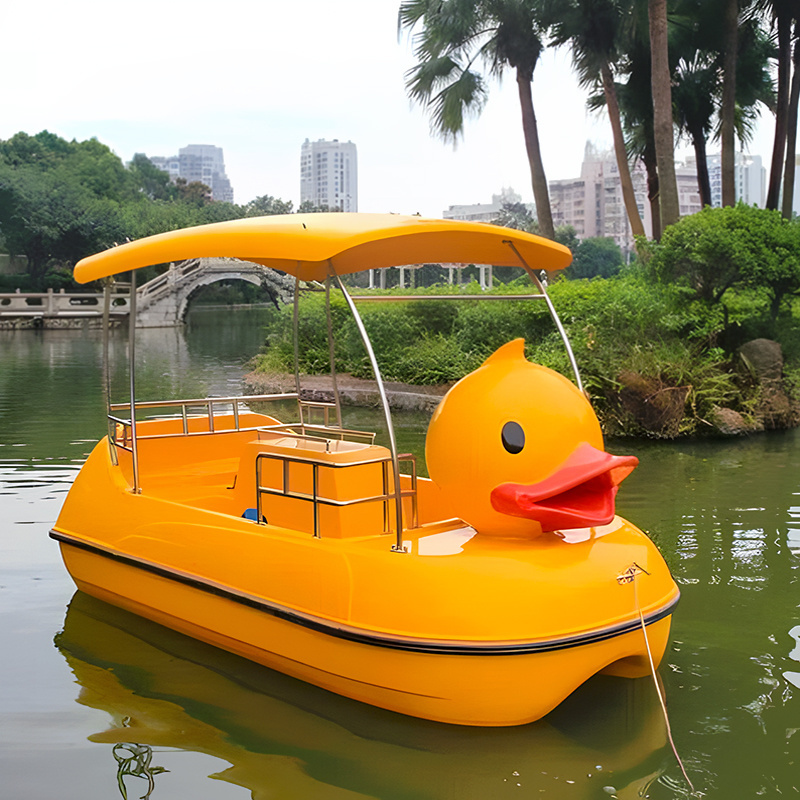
332, 349
398, 495
553, 313
112, 450
296, 341
132, 357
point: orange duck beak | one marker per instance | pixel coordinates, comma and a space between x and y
579, 494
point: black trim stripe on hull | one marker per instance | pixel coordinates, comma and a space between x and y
453, 648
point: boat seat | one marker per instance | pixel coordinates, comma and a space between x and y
318, 445
346, 477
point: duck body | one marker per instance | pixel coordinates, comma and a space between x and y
470, 625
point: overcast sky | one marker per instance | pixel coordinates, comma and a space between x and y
258, 78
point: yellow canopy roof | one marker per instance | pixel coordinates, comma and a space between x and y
302, 245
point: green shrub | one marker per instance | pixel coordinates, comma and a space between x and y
596, 257
738, 246
621, 329
433, 360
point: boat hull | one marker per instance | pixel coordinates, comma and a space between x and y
465, 683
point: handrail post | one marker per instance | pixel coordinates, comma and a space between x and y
259, 459
132, 371
314, 491
398, 545
210, 407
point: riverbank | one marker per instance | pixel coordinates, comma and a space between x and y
638, 406
353, 391
655, 362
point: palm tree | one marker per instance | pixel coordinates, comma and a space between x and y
695, 89
593, 29
754, 84
451, 36
662, 113
730, 27
782, 13
698, 79
636, 105
791, 134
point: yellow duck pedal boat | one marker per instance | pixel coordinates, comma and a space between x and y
484, 595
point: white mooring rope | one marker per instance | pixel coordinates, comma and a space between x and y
634, 575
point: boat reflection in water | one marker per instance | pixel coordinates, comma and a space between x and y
286, 738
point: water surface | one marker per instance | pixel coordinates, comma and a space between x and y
92, 697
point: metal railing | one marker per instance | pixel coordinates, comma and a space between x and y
123, 436
311, 406
166, 281
317, 500
327, 433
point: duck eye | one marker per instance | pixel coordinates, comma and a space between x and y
513, 437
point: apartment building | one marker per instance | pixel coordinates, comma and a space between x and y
750, 178
203, 163
593, 204
329, 174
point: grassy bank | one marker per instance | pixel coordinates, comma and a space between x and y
655, 361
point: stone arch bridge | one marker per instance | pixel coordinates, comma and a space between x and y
163, 301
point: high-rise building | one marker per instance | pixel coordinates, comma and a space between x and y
205, 163
750, 179
593, 204
201, 163
329, 174
688, 189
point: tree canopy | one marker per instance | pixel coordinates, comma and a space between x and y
714, 65
62, 200
598, 257
721, 248
452, 37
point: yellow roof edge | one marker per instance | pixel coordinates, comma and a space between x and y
303, 244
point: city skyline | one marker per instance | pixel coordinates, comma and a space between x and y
345, 82
329, 179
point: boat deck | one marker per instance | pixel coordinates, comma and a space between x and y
296, 476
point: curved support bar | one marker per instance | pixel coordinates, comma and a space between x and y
295, 330
553, 313
398, 546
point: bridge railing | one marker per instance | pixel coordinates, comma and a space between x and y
165, 282
177, 273
67, 304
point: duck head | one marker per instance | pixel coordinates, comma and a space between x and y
516, 449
